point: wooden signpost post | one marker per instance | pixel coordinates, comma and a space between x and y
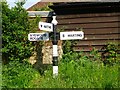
52, 27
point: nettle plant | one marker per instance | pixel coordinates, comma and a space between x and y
95, 54
110, 54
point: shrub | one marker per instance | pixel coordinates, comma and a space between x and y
110, 54
15, 31
18, 75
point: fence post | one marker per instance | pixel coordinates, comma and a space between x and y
55, 47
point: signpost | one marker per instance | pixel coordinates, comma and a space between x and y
38, 36
46, 26
71, 35
52, 27
55, 48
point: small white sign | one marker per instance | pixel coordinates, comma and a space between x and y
71, 35
46, 26
38, 36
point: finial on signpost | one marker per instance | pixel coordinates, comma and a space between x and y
54, 21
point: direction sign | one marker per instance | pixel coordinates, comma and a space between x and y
46, 26
71, 35
38, 36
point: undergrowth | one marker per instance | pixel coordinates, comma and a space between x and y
75, 71
81, 72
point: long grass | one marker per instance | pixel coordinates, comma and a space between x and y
80, 72
75, 71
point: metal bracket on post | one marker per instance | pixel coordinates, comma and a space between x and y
55, 47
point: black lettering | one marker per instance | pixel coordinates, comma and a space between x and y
37, 34
45, 35
79, 35
49, 27
69, 35
33, 34
44, 26
74, 35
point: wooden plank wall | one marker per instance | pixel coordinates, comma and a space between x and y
99, 29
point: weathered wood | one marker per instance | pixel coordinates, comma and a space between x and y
89, 15
95, 42
89, 48
110, 36
99, 29
89, 25
89, 20
102, 31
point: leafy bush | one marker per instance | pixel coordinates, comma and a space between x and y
18, 75
95, 55
110, 54
67, 46
15, 31
16, 48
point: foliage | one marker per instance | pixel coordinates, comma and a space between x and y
15, 27
81, 73
110, 54
18, 75
75, 71
0, 75
95, 54
67, 46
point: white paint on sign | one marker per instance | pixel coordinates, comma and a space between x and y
71, 35
38, 36
46, 26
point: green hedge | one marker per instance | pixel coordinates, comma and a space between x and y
16, 26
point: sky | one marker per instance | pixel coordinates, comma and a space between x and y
28, 3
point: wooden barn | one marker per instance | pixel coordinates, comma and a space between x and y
100, 22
